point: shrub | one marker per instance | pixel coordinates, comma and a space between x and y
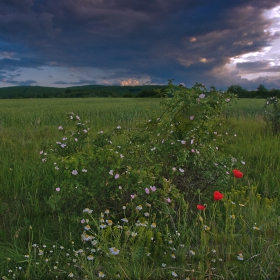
127, 95
178, 153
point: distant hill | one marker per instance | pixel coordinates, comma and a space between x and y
79, 91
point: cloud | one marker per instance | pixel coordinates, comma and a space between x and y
129, 82
80, 82
257, 67
8, 6
31, 28
12, 64
60, 83
21, 83
188, 40
268, 82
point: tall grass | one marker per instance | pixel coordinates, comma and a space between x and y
254, 142
243, 108
261, 151
28, 125
101, 112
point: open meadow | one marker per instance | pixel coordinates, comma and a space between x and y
150, 230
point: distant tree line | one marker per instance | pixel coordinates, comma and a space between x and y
149, 91
260, 92
81, 92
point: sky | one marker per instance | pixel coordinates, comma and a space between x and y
64, 43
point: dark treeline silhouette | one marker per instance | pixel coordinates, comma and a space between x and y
81, 92
150, 91
260, 92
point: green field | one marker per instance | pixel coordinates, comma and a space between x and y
28, 125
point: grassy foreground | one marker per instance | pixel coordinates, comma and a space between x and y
235, 239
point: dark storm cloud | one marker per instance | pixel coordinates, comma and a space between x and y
21, 83
268, 82
181, 39
258, 66
60, 83
10, 79
23, 6
80, 82
2, 75
28, 28
12, 64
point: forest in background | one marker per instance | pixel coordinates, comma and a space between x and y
81, 91
142, 91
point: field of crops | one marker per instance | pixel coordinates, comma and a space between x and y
27, 126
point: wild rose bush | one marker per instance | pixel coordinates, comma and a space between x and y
175, 156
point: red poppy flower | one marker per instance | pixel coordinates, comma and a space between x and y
238, 174
200, 207
218, 195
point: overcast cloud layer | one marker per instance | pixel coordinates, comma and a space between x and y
69, 42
